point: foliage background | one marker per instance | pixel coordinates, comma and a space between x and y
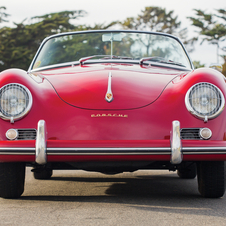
18, 43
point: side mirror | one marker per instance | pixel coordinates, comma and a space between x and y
217, 67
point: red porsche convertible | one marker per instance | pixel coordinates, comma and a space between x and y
112, 101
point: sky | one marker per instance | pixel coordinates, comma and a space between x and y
106, 11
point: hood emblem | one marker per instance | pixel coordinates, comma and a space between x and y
109, 95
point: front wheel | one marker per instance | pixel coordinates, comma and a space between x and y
12, 176
211, 179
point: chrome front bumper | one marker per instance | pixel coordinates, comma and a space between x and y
176, 154
41, 144
174, 150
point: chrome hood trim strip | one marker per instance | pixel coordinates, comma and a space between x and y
109, 95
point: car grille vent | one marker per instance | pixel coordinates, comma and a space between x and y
26, 134
190, 134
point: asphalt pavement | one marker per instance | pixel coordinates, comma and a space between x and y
89, 198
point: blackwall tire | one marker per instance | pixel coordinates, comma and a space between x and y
12, 176
43, 174
211, 179
187, 170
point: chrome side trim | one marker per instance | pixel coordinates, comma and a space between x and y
204, 148
119, 149
16, 153
16, 149
109, 151
205, 153
193, 149
176, 154
114, 151
40, 145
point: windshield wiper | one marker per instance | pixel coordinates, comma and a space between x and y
82, 60
160, 60
172, 62
105, 57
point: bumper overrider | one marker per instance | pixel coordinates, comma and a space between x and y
174, 150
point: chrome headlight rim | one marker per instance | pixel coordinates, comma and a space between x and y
205, 116
25, 111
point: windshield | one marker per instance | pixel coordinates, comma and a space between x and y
72, 47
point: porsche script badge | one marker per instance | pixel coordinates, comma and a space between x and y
109, 115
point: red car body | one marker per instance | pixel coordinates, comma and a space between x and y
75, 126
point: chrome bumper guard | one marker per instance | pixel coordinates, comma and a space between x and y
176, 154
40, 146
41, 140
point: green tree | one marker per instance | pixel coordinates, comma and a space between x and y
224, 65
3, 15
19, 44
96, 26
158, 19
197, 64
211, 27
154, 19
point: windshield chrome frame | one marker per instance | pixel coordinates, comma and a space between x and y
105, 31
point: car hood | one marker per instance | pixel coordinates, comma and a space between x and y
132, 86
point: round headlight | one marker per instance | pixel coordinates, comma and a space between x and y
204, 100
15, 101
